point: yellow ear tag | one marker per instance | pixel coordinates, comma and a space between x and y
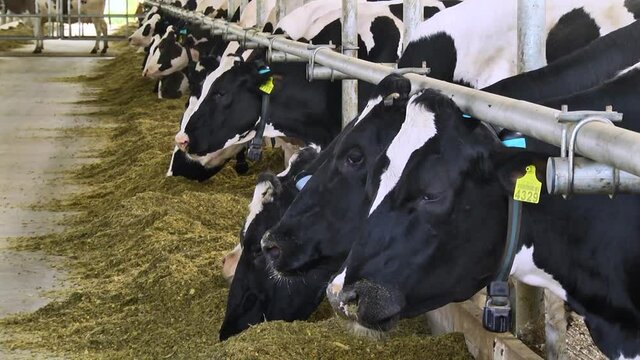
267, 87
528, 187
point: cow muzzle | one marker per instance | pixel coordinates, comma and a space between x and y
369, 305
182, 141
270, 249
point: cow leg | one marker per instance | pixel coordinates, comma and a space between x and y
103, 25
96, 25
37, 31
556, 327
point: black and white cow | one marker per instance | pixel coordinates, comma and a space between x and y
72, 9
327, 197
171, 55
255, 295
475, 42
302, 110
583, 69
154, 25
340, 194
436, 227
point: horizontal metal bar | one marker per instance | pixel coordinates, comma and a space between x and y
65, 16
324, 73
589, 178
603, 143
29, 38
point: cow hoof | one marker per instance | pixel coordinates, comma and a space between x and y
37, 51
94, 51
104, 51
241, 168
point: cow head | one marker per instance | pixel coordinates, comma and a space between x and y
436, 228
318, 228
168, 57
143, 35
226, 113
256, 295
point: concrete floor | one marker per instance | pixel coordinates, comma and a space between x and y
33, 152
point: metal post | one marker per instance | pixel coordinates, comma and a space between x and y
529, 314
412, 15
281, 9
38, 25
232, 6
349, 48
531, 34
3, 14
261, 13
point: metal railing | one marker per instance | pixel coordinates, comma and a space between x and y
61, 23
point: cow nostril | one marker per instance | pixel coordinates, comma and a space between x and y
224, 260
349, 296
272, 251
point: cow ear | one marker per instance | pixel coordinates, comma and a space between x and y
510, 164
394, 88
274, 184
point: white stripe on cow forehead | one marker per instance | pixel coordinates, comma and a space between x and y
338, 282
292, 160
419, 126
262, 194
367, 109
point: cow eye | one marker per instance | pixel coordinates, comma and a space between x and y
354, 157
428, 198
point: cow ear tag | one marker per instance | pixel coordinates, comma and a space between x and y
267, 87
528, 187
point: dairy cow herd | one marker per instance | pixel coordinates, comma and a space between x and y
406, 208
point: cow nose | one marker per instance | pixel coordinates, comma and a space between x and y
129, 40
345, 303
270, 249
144, 73
348, 296
182, 140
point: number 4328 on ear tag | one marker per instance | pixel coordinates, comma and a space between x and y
528, 187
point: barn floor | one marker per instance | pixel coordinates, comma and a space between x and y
33, 153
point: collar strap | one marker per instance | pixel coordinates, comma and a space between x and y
188, 48
255, 147
496, 316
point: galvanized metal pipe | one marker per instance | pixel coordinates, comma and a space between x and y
281, 9
529, 306
531, 34
350, 49
412, 15
604, 143
588, 178
261, 13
